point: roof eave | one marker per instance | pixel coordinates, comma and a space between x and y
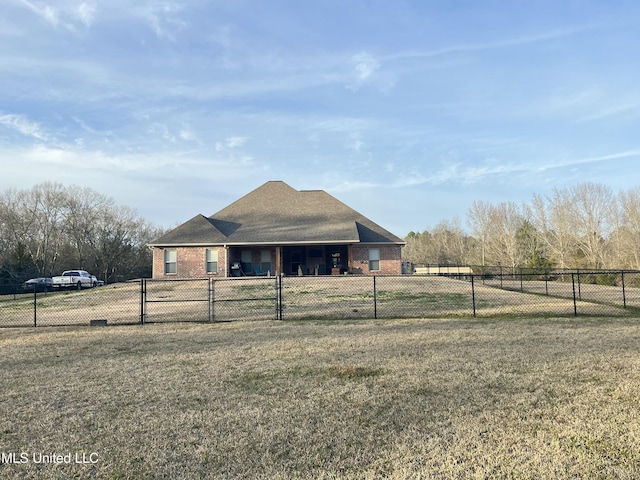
275, 244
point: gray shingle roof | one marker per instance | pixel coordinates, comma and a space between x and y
276, 213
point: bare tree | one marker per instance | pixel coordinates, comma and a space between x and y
121, 244
584, 226
506, 221
628, 231
84, 209
33, 219
551, 216
416, 248
454, 243
592, 208
479, 219
51, 227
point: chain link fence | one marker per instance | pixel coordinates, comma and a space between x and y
118, 304
492, 293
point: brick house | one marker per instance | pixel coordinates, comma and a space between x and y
275, 230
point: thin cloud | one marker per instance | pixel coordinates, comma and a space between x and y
189, 135
164, 18
235, 142
365, 66
47, 13
461, 174
602, 158
498, 44
22, 125
366, 70
231, 143
67, 18
86, 13
612, 111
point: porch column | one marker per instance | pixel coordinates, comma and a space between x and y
350, 258
278, 260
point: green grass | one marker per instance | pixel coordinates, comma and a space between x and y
526, 398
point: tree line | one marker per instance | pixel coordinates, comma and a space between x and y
583, 226
50, 228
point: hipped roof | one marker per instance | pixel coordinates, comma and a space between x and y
277, 214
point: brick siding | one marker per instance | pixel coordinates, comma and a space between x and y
390, 260
191, 262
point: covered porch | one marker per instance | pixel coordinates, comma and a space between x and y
289, 260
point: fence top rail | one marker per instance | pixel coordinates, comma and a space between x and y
476, 269
160, 280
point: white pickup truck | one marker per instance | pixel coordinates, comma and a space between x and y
74, 279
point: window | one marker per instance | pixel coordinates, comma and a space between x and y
212, 261
265, 261
374, 259
246, 258
170, 262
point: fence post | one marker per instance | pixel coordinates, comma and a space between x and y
624, 294
375, 299
35, 306
279, 279
212, 299
143, 299
546, 282
573, 284
473, 295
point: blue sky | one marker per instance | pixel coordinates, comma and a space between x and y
408, 111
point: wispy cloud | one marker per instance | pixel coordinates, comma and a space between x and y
460, 173
46, 12
545, 36
601, 158
366, 69
163, 17
22, 125
67, 18
231, 143
187, 134
609, 110
234, 142
162, 131
364, 66
86, 13
470, 174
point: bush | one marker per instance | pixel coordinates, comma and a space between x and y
608, 279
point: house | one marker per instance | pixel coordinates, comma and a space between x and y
275, 230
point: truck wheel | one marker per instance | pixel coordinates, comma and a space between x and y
79, 285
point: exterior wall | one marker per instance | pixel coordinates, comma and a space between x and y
390, 260
191, 262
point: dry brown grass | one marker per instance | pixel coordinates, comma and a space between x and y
552, 398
